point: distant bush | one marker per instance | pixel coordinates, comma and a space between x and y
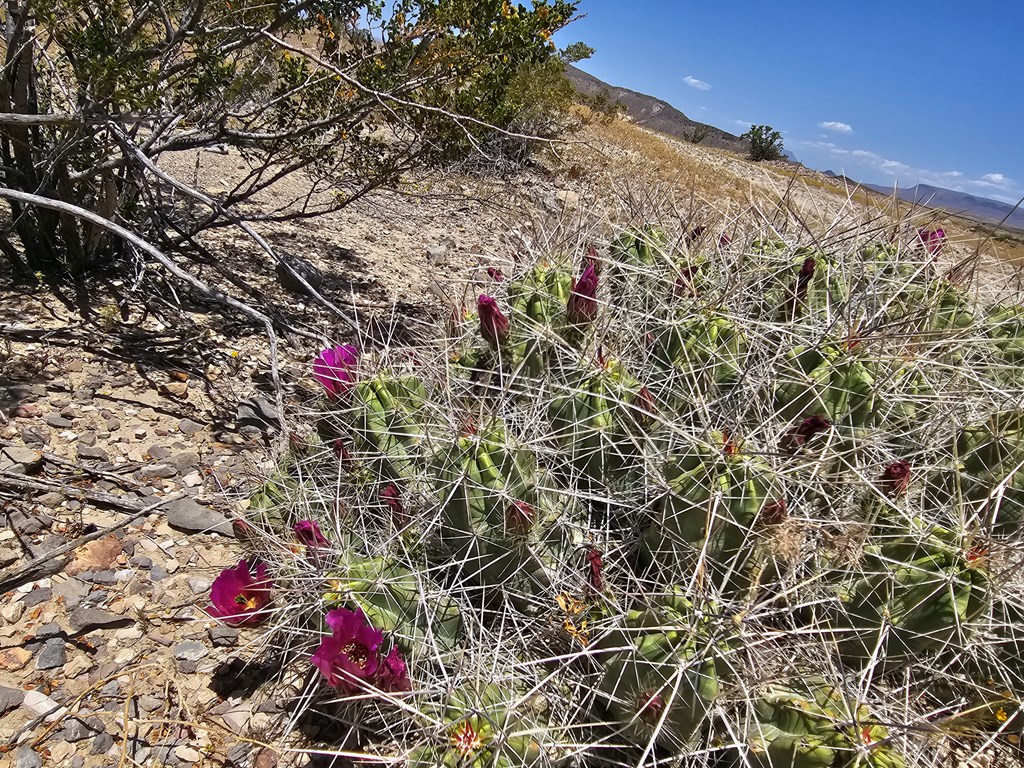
765, 143
697, 134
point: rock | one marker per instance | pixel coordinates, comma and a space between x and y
52, 655
26, 411
150, 471
26, 757
12, 612
41, 705
89, 619
37, 596
87, 438
73, 591
187, 754
20, 461
177, 389
13, 659
436, 253
9, 699
192, 480
57, 421
50, 499
157, 453
237, 754
91, 452
223, 637
141, 561
150, 703
257, 412
77, 730
184, 461
78, 664
289, 266
190, 650
266, 758
187, 515
47, 631
34, 437
567, 198
199, 586
157, 573
97, 555
159, 639
236, 718
106, 578
189, 427
102, 744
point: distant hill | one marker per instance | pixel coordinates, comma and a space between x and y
654, 113
982, 208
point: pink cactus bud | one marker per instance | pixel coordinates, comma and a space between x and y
582, 307
493, 324
896, 478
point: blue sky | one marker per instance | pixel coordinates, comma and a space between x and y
885, 91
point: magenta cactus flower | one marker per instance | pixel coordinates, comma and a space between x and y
335, 369
239, 597
896, 478
394, 674
932, 239
519, 517
724, 240
312, 538
349, 658
495, 274
391, 497
800, 434
493, 324
582, 307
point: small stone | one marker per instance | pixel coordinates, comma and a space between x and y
26, 757
190, 650
171, 565
47, 631
174, 389
237, 754
26, 411
102, 744
141, 561
13, 659
87, 438
157, 452
9, 699
41, 705
77, 730
37, 596
96, 555
78, 664
187, 754
185, 514
199, 586
89, 619
128, 633
189, 427
91, 452
57, 421
20, 461
12, 612
192, 480
34, 437
150, 703
223, 637
52, 655
160, 471
72, 591
159, 639
106, 578
183, 461
113, 424
157, 573
139, 434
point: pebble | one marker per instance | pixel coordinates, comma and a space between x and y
26, 757
192, 480
88, 619
150, 703
91, 452
199, 586
159, 639
171, 565
188, 754
39, 704
223, 637
189, 427
128, 633
157, 573
37, 596
107, 578
9, 699
187, 515
57, 421
46, 631
190, 650
52, 655
13, 659
102, 744
11, 613
77, 730
141, 561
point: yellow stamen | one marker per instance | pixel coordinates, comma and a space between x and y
465, 740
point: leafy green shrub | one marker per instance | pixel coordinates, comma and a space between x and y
765, 143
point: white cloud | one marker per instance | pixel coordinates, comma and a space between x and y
836, 126
744, 123
693, 82
995, 178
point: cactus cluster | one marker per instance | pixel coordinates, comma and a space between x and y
740, 505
